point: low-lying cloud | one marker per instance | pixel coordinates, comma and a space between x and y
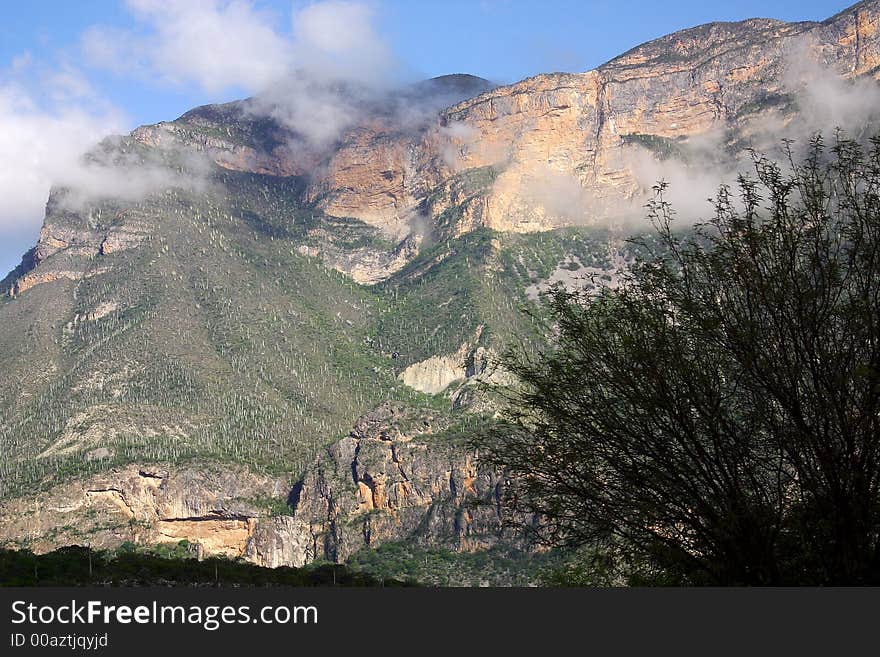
40, 147
314, 76
63, 144
296, 67
109, 172
825, 102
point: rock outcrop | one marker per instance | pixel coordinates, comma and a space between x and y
564, 134
460, 375
218, 509
398, 475
71, 243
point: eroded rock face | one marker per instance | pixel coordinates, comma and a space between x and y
31, 279
433, 375
564, 134
575, 134
72, 243
459, 374
218, 509
562, 148
366, 264
392, 478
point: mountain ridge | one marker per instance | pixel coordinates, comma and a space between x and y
277, 349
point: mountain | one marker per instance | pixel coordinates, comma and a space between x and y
274, 349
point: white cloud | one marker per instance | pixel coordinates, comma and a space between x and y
39, 147
341, 67
49, 121
335, 26
68, 84
218, 44
828, 101
317, 111
457, 138
224, 45
315, 79
337, 39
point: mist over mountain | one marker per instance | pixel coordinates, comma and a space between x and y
266, 327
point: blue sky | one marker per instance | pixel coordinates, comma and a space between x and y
72, 70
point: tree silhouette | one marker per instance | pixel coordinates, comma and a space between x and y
717, 416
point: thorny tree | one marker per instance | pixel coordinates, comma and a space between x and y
717, 414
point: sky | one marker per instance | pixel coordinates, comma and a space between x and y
73, 72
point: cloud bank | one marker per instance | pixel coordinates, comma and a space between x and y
42, 146
314, 75
825, 102
50, 115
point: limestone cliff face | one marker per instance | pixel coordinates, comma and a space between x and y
554, 135
217, 509
77, 240
464, 376
552, 132
561, 149
394, 477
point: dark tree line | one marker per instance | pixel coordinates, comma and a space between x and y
716, 418
128, 566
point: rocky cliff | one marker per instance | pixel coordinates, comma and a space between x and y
552, 150
401, 474
566, 135
176, 364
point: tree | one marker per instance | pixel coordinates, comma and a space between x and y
717, 416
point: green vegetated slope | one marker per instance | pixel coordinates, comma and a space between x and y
215, 337
225, 342
433, 566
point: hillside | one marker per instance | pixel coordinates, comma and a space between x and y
276, 356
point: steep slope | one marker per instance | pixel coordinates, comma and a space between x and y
184, 325
190, 364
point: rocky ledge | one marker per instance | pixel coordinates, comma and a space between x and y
401, 473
